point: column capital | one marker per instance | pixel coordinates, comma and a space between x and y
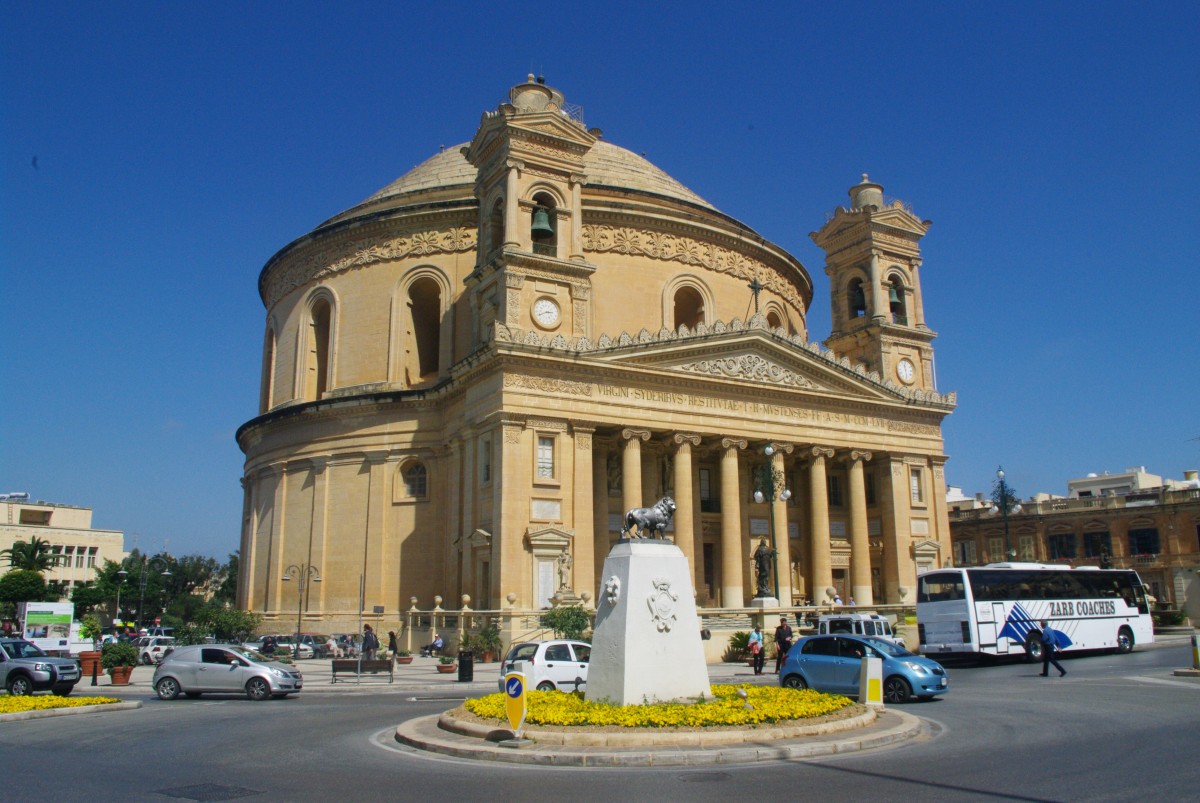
629, 434
858, 454
786, 448
733, 443
518, 164
825, 452
681, 438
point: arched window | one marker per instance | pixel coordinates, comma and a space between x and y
543, 228
773, 319
424, 335
267, 388
496, 225
896, 302
416, 481
688, 307
856, 299
316, 376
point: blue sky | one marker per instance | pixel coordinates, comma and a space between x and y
178, 146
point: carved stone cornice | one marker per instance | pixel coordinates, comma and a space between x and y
749, 366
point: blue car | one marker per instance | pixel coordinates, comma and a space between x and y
833, 664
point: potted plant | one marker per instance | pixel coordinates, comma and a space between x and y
446, 665
738, 649
118, 659
89, 660
403, 657
488, 645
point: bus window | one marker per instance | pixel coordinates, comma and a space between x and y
940, 588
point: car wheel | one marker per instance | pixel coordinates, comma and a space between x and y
19, 686
794, 682
64, 690
258, 689
146, 659
167, 688
1033, 647
896, 690
1124, 640
545, 685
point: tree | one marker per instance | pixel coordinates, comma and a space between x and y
36, 555
23, 585
567, 622
226, 592
87, 598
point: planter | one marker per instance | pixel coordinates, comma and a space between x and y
89, 662
404, 659
120, 675
486, 657
447, 669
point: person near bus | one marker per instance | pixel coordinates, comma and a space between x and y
1049, 647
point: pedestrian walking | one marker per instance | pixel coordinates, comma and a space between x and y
758, 651
1049, 647
783, 642
393, 647
370, 643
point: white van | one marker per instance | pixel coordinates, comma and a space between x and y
858, 624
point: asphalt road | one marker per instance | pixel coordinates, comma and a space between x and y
1116, 728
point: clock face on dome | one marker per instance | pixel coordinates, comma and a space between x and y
904, 370
545, 312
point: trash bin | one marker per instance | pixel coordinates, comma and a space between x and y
466, 666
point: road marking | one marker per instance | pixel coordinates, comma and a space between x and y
1165, 682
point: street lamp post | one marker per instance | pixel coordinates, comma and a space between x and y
148, 562
122, 574
771, 485
302, 572
1009, 552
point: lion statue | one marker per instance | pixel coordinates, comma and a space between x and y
651, 521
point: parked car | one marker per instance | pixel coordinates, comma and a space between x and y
556, 664
160, 631
289, 641
202, 668
24, 669
154, 649
316, 642
857, 624
833, 664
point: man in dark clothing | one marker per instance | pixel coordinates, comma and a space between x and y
1049, 647
783, 642
370, 643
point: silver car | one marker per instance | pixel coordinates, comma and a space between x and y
224, 669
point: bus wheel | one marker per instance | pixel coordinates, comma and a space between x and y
1124, 640
1033, 647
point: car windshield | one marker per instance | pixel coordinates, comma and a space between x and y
888, 648
22, 649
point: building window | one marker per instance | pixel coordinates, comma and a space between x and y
857, 298
416, 481
79, 561
92, 558
1143, 541
543, 231
1061, 545
689, 307
896, 303
708, 503
964, 553
996, 550
485, 460
834, 484
914, 486
316, 377
1025, 547
38, 517
425, 313
1096, 544
870, 482
545, 457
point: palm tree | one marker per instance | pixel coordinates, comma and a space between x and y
35, 555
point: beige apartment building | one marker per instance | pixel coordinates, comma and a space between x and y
68, 529
469, 377
1130, 520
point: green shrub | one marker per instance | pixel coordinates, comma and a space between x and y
567, 622
118, 653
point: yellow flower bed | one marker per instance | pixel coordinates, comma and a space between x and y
44, 702
768, 704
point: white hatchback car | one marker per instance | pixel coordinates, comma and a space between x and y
154, 648
557, 664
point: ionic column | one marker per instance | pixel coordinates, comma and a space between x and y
860, 547
918, 309
631, 468
822, 569
879, 305
576, 250
731, 525
783, 552
685, 522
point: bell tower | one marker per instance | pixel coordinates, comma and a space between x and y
531, 272
872, 258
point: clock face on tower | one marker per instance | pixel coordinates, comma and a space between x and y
545, 312
905, 370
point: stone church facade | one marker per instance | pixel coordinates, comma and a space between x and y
469, 377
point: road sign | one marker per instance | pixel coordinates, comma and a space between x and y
514, 702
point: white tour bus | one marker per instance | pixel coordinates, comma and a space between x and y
995, 609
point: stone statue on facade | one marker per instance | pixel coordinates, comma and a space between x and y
651, 521
762, 568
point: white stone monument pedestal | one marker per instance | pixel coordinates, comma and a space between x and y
764, 602
646, 645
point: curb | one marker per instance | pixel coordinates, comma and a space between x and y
890, 727
21, 716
